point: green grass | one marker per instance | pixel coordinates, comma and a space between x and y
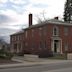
58, 57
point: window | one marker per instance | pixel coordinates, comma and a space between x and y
66, 30
12, 38
66, 46
43, 45
33, 45
15, 47
40, 28
32, 32
55, 31
26, 34
18, 37
15, 38
40, 31
19, 46
44, 31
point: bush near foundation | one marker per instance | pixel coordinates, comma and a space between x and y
20, 54
27, 52
45, 54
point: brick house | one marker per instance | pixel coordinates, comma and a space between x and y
52, 35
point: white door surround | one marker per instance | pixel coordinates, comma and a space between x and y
56, 45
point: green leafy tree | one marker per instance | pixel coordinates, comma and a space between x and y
68, 11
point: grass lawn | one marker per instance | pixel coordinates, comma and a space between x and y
60, 57
6, 61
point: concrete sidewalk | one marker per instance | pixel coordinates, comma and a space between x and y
28, 64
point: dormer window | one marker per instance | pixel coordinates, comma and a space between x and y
55, 31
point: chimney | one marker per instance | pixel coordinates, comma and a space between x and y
30, 19
56, 18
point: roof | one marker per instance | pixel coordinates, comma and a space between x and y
22, 31
55, 21
51, 21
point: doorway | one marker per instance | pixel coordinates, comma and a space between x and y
56, 46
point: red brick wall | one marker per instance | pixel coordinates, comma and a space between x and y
34, 42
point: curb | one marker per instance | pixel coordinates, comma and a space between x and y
28, 65
18, 66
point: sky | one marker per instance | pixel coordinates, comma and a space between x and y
14, 13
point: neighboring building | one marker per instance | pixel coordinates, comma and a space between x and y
52, 35
16, 42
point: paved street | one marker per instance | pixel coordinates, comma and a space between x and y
56, 67
61, 70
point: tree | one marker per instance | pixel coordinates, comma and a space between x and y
41, 17
68, 11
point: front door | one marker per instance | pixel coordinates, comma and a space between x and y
56, 46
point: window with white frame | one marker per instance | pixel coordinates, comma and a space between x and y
26, 34
15, 38
19, 46
15, 47
32, 32
12, 38
40, 31
65, 30
42, 44
18, 37
55, 31
33, 45
66, 46
45, 31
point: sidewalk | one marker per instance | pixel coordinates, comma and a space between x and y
28, 64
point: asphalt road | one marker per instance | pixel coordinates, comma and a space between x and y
56, 67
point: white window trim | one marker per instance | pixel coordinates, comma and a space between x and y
66, 31
32, 32
26, 34
57, 31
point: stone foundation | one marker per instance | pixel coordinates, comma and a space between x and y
29, 57
69, 56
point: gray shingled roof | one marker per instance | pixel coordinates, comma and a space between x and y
51, 21
22, 31
58, 22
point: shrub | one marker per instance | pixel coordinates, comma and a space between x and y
5, 55
45, 54
27, 52
20, 54
9, 55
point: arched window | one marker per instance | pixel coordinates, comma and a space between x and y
55, 31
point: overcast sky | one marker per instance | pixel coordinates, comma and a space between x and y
14, 13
